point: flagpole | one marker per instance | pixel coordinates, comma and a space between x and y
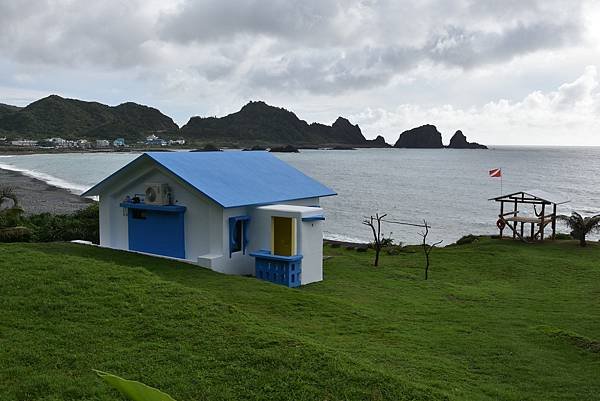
501, 192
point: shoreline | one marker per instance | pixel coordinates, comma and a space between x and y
36, 196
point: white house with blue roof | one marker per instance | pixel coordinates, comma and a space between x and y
245, 213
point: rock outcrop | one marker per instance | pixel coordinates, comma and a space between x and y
343, 131
378, 142
459, 141
426, 136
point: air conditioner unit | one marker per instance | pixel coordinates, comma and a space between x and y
157, 194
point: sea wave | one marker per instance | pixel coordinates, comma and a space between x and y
342, 238
47, 178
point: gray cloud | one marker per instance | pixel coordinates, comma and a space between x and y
317, 46
463, 48
333, 46
75, 33
201, 21
334, 70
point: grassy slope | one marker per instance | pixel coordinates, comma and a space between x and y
497, 320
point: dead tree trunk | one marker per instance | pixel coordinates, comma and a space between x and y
427, 248
371, 221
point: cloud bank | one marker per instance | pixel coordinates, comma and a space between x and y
573, 110
377, 60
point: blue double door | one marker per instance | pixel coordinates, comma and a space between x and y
157, 232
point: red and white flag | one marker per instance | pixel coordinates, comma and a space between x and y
497, 172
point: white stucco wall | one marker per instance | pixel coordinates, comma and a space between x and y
202, 218
310, 245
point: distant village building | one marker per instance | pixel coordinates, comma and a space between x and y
177, 142
156, 141
83, 144
246, 213
102, 143
58, 142
24, 142
119, 143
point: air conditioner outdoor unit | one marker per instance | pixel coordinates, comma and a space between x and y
157, 194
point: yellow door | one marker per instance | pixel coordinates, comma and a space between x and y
283, 236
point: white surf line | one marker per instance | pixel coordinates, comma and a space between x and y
47, 178
342, 238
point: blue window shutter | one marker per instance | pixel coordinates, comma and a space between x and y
245, 230
232, 242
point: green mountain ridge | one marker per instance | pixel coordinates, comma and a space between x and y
260, 123
6, 109
257, 123
73, 119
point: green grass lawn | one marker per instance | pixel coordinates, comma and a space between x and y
498, 320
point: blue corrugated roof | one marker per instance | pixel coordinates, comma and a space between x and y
235, 179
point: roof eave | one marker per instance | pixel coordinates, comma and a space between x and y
275, 202
94, 191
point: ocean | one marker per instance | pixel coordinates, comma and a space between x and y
449, 188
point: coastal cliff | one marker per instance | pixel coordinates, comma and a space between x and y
459, 141
378, 142
426, 137
263, 124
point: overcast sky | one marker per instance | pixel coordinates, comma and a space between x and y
505, 72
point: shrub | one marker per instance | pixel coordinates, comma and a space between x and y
15, 234
392, 250
387, 241
82, 224
467, 239
11, 217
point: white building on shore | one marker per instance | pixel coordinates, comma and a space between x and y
24, 142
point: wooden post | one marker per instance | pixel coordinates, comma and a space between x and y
522, 225
501, 215
542, 222
554, 222
515, 215
532, 231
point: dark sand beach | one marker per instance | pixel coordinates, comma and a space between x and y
35, 196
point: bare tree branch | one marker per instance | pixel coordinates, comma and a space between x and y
427, 248
377, 240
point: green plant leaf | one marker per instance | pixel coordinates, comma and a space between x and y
134, 390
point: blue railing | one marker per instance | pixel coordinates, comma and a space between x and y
284, 270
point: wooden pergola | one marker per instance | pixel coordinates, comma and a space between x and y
538, 221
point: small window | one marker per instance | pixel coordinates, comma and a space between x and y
238, 234
236, 245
